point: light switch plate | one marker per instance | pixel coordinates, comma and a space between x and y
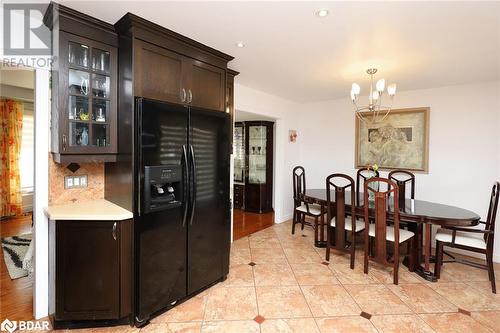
75, 181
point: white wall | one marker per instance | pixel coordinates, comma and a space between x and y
286, 153
464, 143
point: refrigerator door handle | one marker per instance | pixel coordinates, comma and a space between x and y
193, 177
185, 184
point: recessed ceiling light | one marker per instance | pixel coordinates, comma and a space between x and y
240, 44
322, 13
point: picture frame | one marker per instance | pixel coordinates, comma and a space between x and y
399, 142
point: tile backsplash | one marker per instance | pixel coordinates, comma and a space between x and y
59, 195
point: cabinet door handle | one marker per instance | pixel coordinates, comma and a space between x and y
190, 96
114, 231
183, 95
64, 142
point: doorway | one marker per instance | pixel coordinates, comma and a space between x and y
253, 173
17, 138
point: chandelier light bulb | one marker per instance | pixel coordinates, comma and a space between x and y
356, 89
380, 85
353, 96
391, 89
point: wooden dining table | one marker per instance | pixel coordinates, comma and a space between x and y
419, 215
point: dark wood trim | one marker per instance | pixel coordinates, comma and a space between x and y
82, 158
153, 32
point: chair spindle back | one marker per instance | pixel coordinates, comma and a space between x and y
402, 178
363, 175
340, 205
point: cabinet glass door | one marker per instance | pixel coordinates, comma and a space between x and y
257, 154
239, 153
89, 95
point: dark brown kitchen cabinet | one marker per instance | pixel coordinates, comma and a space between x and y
170, 67
239, 196
159, 73
93, 270
84, 81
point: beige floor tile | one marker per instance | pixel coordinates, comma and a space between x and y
463, 273
345, 325
264, 242
346, 275
239, 276
327, 301
190, 310
485, 287
385, 274
231, 304
420, 298
302, 325
172, 328
453, 323
247, 326
314, 274
242, 243
302, 255
377, 299
268, 256
466, 297
240, 257
274, 275
282, 302
490, 319
400, 323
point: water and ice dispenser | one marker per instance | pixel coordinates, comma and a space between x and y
162, 187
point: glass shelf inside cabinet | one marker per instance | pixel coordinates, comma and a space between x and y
100, 110
78, 55
78, 133
100, 86
78, 108
100, 133
79, 82
257, 155
100, 60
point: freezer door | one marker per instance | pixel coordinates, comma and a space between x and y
161, 235
209, 221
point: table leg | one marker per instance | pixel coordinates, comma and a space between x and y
427, 246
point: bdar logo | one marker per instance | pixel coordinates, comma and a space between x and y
9, 326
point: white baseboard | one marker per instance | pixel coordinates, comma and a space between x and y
283, 219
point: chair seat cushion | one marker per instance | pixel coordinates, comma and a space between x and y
313, 209
404, 235
461, 239
360, 225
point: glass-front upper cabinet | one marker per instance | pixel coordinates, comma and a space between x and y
90, 97
84, 88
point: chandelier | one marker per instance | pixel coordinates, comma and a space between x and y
374, 112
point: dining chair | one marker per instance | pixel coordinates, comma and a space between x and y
402, 178
380, 232
338, 223
463, 238
362, 176
302, 208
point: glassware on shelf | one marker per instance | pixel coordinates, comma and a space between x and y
79, 134
78, 108
78, 82
100, 86
100, 133
100, 60
100, 109
78, 54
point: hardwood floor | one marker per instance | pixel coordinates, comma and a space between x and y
245, 223
16, 295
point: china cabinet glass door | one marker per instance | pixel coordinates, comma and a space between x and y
239, 153
89, 96
257, 154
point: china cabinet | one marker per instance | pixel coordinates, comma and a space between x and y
84, 81
253, 164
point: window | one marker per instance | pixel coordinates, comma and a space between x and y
26, 160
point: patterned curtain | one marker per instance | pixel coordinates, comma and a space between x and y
11, 125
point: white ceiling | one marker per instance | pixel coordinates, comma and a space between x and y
293, 54
17, 77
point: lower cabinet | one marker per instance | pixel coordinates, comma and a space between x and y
92, 270
239, 196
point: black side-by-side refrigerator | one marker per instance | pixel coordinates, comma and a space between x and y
182, 226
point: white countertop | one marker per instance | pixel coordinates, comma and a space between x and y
99, 210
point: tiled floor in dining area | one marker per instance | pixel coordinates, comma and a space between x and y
279, 282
